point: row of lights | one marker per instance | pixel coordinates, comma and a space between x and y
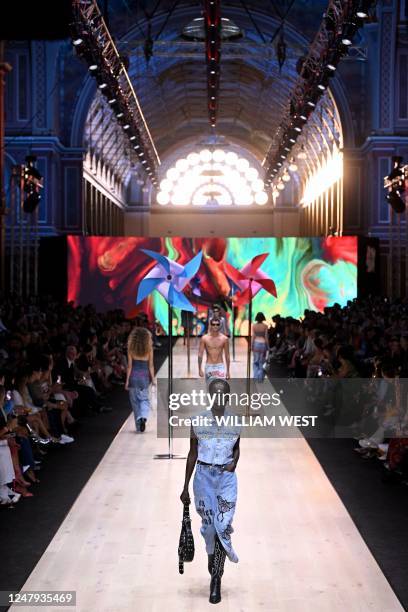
315, 81
196, 178
212, 18
84, 43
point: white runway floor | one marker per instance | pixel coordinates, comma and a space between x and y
299, 549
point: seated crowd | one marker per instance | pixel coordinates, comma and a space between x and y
367, 340
57, 364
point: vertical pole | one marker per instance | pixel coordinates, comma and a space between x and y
13, 219
233, 323
249, 334
36, 251
21, 235
4, 69
170, 375
28, 254
189, 316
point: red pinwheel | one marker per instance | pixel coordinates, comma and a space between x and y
250, 280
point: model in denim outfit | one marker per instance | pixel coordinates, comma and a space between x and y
140, 374
214, 448
259, 346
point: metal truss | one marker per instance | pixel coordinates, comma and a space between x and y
212, 20
94, 43
332, 42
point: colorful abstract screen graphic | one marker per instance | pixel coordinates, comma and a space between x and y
308, 273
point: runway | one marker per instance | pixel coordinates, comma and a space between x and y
299, 549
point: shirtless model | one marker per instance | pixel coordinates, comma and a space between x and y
216, 346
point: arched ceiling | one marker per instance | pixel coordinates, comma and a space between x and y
172, 87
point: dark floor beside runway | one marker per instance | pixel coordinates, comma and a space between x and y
379, 510
27, 529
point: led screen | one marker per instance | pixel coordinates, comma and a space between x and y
308, 273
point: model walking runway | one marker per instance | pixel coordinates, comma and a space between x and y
298, 548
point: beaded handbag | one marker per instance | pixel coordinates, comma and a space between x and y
186, 542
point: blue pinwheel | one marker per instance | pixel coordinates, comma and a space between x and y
169, 278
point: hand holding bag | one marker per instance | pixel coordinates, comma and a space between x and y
186, 542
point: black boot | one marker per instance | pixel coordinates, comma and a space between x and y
217, 572
210, 563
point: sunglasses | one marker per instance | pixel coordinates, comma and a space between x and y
215, 324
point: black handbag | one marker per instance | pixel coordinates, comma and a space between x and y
186, 542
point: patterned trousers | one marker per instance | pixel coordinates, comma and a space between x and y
215, 498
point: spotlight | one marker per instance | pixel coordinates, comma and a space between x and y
293, 166
112, 101
302, 153
77, 41
396, 202
31, 202
132, 137
363, 9
93, 67
348, 32
32, 185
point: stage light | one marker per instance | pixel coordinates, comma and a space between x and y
257, 185
281, 186
77, 41
166, 185
173, 174
102, 86
396, 202
205, 155
31, 202
119, 115
242, 164
193, 159
363, 9
182, 165
261, 198
218, 155
93, 67
136, 147
231, 158
302, 153
126, 126
163, 198
293, 166
331, 67
286, 177
324, 178
348, 32
251, 174
112, 101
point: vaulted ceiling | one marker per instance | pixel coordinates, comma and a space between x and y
171, 88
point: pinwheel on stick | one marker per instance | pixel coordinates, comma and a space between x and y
249, 280
169, 278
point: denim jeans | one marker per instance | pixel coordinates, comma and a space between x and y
215, 498
140, 402
259, 354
